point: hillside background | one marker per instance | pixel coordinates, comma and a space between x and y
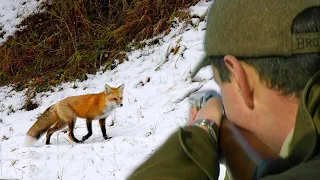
53, 49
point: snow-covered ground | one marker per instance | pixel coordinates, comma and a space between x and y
151, 113
12, 12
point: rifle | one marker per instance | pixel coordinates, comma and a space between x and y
244, 155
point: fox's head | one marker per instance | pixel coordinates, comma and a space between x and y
114, 96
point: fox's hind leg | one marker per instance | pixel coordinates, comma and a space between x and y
71, 134
59, 125
67, 114
89, 127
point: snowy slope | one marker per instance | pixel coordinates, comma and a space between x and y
151, 113
12, 12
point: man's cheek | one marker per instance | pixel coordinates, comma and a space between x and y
226, 104
229, 103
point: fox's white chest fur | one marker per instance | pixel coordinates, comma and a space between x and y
107, 110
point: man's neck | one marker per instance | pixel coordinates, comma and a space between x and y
277, 117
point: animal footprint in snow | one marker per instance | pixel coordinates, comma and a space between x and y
141, 83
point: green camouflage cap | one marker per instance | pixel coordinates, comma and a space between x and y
255, 28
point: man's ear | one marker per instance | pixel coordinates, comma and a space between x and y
107, 89
121, 87
238, 71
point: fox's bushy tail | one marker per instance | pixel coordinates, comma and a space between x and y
47, 119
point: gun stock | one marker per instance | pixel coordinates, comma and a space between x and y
245, 156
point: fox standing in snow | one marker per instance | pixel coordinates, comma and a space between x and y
89, 106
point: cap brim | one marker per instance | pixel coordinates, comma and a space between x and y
204, 62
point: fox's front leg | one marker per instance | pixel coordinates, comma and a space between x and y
89, 127
102, 123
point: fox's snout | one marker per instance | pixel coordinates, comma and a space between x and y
115, 104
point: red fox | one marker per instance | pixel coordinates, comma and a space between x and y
65, 112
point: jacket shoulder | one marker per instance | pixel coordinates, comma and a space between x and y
308, 170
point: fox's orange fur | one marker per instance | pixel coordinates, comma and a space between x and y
65, 112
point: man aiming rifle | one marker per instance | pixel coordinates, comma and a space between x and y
265, 56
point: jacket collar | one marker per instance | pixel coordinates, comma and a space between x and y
307, 127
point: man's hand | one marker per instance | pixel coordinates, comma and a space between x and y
212, 110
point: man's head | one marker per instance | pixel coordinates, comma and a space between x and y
263, 54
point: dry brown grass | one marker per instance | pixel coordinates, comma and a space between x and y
76, 37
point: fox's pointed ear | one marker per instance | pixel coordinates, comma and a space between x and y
108, 89
121, 87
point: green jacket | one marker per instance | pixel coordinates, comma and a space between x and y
190, 153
